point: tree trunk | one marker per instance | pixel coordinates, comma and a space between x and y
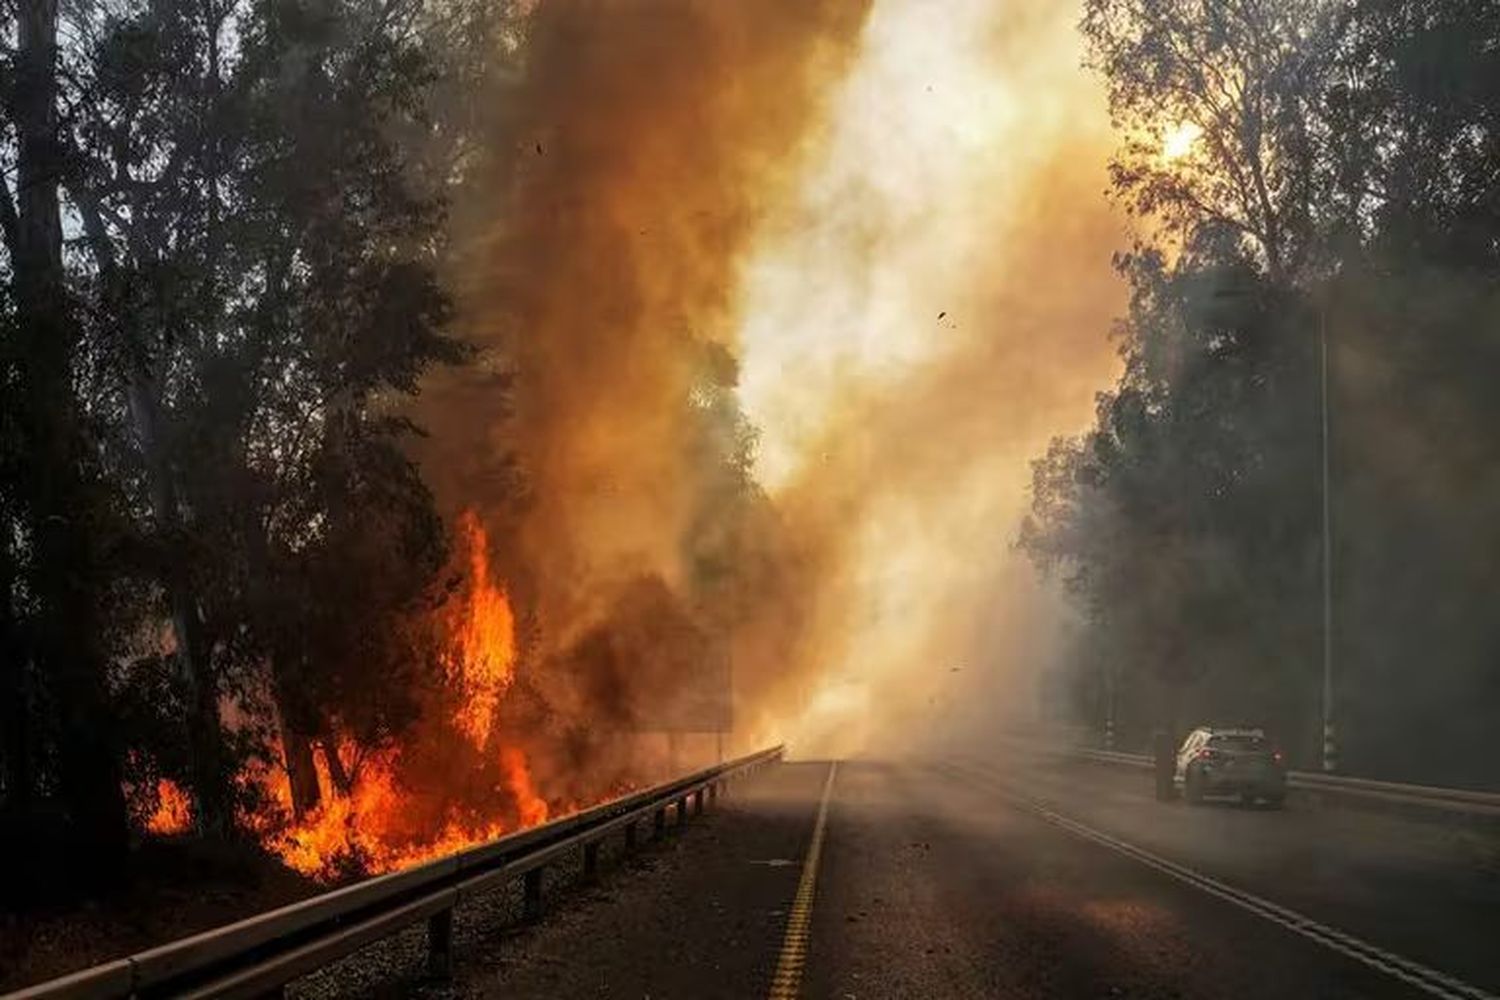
301, 769
59, 496
213, 798
338, 775
15, 703
15, 697
296, 742
210, 763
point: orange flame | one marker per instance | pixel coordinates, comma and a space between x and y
368, 829
481, 662
174, 810
532, 806
449, 785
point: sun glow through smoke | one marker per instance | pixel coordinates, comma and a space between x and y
930, 306
847, 285
1179, 140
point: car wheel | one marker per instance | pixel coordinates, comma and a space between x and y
1192, 788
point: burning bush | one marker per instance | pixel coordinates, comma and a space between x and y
451, 779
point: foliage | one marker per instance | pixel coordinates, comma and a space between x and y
1345, 181
247, 284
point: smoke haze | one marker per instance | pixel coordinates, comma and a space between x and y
929, 306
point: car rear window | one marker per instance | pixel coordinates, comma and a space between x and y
1237, 742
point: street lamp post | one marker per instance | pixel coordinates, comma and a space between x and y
1330, 745
1109, 704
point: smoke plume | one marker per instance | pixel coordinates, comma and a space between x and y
776, 300
927, 309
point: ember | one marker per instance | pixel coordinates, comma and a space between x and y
173, 812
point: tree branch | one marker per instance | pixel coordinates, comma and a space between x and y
10, 225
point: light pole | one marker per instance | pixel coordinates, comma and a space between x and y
1109, 704
726, 711
1330, 745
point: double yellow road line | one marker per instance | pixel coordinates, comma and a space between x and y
787, 983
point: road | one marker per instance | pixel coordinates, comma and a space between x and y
1017, 881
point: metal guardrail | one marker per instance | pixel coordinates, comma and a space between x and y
1111, 756
256, 957
1432, 796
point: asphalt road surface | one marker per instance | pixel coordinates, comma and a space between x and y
993, 879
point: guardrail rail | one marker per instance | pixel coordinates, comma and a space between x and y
1463, 800
258, 956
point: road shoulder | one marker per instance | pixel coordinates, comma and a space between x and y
701, 915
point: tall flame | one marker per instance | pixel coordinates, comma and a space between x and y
402, 808
518, 776
481, 661
173, 813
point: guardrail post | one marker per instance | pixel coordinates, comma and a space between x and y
698, 802
682, 810
531, 895
659, 823
440, 944
713, 793
591, 861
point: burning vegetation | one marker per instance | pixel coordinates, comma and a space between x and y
174, 810
731, 327
598, 438
453, 778
381, 646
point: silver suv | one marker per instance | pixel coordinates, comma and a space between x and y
1219, 761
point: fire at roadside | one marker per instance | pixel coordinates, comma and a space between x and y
457, 777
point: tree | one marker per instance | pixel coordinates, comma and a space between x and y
1243, 78
1184, 522
206, 364
61, 514
1343, 181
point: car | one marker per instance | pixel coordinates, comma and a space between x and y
1230, 761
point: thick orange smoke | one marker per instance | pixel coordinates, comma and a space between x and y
600, 437
875, 230
926, 309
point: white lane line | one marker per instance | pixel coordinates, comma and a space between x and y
1424, 978
787, 983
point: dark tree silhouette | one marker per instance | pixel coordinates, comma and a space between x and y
1345, 181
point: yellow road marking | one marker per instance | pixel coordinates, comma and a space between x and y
787, 983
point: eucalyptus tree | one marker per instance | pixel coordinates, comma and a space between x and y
221, 253
1337, 170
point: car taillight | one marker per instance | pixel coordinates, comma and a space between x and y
1206, 755
1276, 757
